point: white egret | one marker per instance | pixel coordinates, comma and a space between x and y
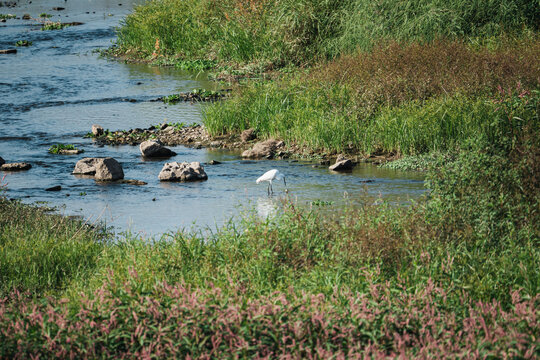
270, 175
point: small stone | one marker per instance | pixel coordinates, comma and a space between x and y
133, 182
70, 152
15, 166
265, 149
26, 17
8, 51
97, 130
343, 165
154, 148
54, 188
214, 162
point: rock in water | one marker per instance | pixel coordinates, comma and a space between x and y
105, 169
108, 169
175, 171
54, 188
85, 166
265, 149
97, 130
342, 165
154, 148
15, 166
2, 161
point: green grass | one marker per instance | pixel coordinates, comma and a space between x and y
277, 34
408, 99
43, 253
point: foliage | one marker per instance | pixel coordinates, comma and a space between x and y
45, 15
388, 320
50, 25
279, 33
57, 148
40, 252
492, 187
23, 43
7, 16
406, 99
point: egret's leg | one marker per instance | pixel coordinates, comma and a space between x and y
268, 189
271, 189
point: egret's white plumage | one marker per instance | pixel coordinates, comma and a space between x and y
271, 175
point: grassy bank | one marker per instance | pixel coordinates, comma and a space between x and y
269, 34
407, 99
456, 274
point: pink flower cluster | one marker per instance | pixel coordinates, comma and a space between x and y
178, 321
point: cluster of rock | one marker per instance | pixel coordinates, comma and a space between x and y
18, 166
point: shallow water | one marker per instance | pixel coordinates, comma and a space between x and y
53, 91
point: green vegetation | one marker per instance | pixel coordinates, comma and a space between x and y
57, 148
43, 253
45, 15
406, 99
50, 25
7, 16
453, 84
23, 43
276, 33
466, 255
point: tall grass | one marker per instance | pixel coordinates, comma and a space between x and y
407, 99
277, 33
43, 253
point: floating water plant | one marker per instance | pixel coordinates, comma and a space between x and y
23, 43
45, 15
64, 149
7, 16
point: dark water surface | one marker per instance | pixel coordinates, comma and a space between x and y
53, 91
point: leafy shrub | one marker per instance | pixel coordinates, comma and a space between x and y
492, 186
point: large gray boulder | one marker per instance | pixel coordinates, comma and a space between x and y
175, 171
108, 169
154, 148
104, 169
265, 149
15, 166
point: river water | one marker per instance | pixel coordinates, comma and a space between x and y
53, 91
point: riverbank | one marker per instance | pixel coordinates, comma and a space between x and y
454, 274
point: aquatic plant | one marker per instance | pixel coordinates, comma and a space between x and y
57, 148
45, 15
7, 16
50, 25
23, 43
